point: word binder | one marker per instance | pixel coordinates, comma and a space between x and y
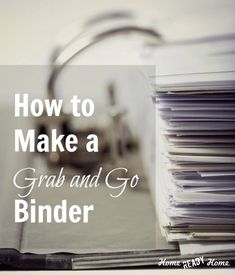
193, 189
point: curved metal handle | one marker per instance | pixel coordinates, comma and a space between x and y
80, 44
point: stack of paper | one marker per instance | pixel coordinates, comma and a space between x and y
196, 160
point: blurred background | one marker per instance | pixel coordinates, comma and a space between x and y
31, 29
